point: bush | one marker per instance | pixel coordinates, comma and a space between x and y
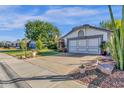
52, 46
39, 44
22, 45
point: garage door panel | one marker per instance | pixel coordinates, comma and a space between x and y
93, 47
83, 51
82, 42
93, 50
72, 43
90, 46
72, 50
72, 46
93, 42
82, 47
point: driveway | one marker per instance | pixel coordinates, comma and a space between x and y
61, 64
46, 71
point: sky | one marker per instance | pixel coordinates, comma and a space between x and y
13, 18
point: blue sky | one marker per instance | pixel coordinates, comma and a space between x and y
13, 18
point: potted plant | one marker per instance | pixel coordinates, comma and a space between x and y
82, 69
103, 47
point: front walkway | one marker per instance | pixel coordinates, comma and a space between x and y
42, 73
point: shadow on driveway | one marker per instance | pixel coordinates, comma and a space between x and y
74, 55
74, 76
52, 78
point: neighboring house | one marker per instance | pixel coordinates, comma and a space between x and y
16, 44
7, 44
85, 39
31, 44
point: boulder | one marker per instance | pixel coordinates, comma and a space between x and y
106, 68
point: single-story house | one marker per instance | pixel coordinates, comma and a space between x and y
85, 39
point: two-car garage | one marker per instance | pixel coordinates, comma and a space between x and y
85, 45
86, 39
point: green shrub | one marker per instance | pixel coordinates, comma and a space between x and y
22, 44
39, 44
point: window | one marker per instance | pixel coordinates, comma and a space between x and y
81, 33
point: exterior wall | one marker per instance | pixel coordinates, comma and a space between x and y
90, 32
87, 32
72, 35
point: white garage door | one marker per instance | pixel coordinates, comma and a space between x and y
90, 46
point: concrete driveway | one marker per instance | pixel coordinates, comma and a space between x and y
62, 64
46, 71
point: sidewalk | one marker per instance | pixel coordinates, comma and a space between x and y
37, 76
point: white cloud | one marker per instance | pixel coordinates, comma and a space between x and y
14, 20
59, 15
69, 15
71, 11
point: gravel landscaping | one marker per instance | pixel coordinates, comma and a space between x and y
95, 78
116, 80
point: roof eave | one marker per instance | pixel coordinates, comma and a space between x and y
82, 26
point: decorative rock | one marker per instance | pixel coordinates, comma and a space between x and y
82, 70
34, 53
88, 79
23, 57
106, 68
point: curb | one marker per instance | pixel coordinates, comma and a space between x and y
14, 76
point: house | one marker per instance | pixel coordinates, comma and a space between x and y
85, 39
31, 44
7, 44
16, 44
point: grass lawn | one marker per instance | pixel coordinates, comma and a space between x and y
18, 52
14, 52
48, 52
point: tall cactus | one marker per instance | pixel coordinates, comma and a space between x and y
116, 43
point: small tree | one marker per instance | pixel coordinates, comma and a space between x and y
39, 44
1, 44
23, 46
